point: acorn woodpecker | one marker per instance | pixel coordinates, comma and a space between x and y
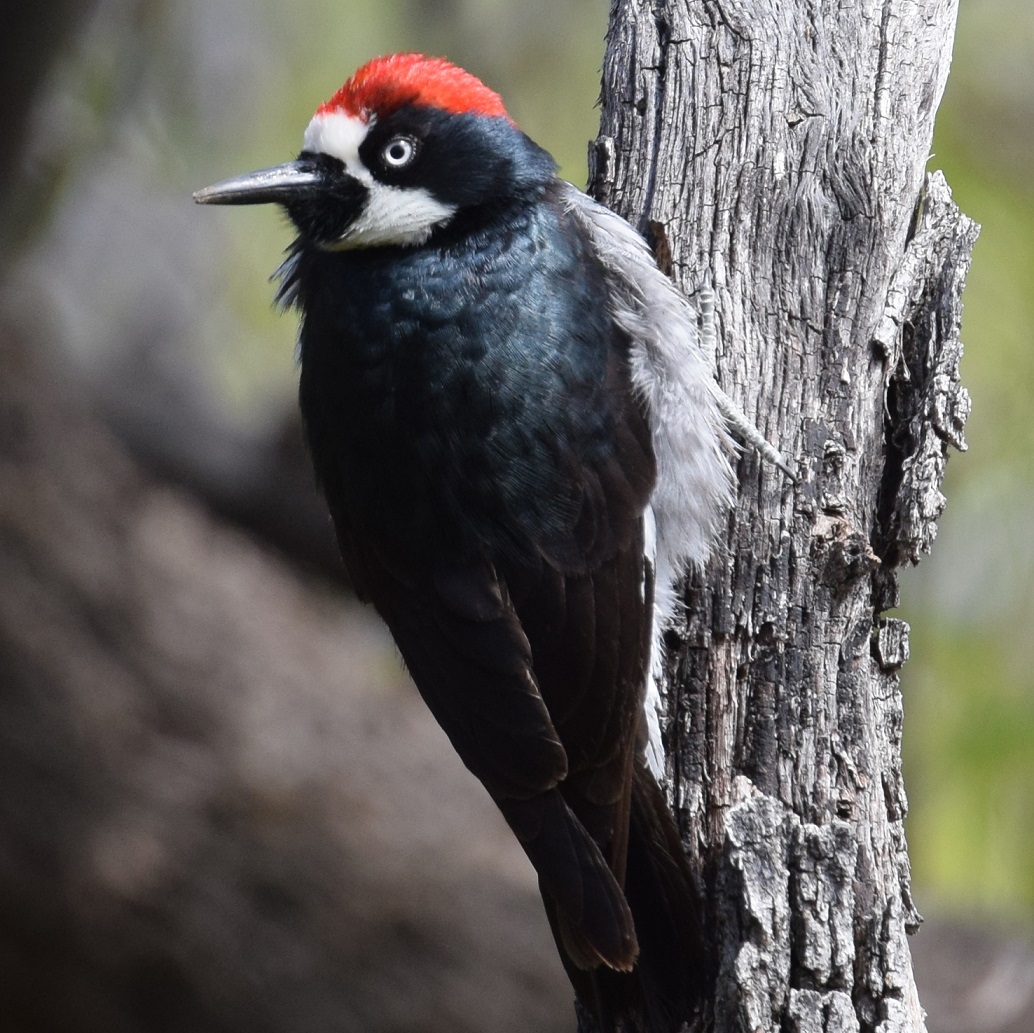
522, 445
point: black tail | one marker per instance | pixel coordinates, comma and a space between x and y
666, 987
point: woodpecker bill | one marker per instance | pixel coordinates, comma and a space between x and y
522, 446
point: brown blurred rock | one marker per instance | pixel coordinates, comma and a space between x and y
974, 979
222, 807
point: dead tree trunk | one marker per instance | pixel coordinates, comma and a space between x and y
779, 152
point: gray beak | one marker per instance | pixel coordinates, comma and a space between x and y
279, 184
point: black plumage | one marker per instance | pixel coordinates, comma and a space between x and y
471, 407
487, 462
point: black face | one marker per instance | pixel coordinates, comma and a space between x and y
462, 161
324, 216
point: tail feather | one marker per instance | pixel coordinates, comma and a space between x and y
664, 989
591, 920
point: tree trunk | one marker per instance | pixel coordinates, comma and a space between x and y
778, 151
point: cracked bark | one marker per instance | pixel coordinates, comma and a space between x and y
778, 152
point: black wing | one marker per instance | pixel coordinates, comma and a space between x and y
536, 672
469, 654
488, 493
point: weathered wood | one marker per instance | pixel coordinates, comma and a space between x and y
778, 152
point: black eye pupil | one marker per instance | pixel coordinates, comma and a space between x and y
399, 152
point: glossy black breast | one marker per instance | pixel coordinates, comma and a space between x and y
471, 395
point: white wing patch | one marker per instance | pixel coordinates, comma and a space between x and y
653, 704
690, 437
691, 443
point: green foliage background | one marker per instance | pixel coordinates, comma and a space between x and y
969, 689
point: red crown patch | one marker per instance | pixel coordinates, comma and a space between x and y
386, 84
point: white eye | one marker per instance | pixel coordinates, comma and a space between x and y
399, 152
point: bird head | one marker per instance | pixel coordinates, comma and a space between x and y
406, 145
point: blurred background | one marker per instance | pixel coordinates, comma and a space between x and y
214, 852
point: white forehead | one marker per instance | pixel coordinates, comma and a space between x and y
338, 135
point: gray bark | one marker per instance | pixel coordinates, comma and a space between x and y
779, 151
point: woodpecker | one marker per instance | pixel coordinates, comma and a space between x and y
522, 446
